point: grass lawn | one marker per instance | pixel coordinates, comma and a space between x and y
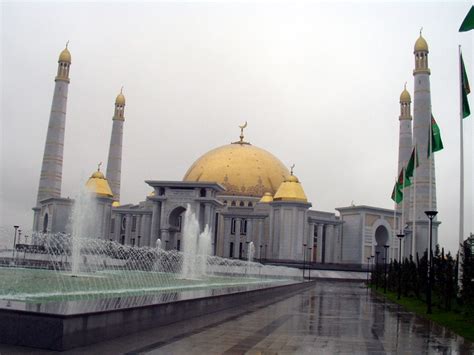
455, 321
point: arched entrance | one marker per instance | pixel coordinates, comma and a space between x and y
381, 239
175, 221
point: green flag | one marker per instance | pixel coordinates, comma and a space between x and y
468, 23
435, 138
465, 88
413, 163
397, 195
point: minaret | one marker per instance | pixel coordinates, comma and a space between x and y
52, 167
421, 129
404, 152
114, 163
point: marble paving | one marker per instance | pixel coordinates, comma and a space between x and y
330, 318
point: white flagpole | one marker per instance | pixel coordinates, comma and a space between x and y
402, 224
403, 203
461, 158
414, 204
395, 211
461, 173
430, 162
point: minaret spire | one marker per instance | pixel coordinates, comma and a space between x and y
52, 166
421, 129
404, 151
114, 163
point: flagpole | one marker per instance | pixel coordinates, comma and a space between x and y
461, 157
402, 224
403, 203
395, 212
461, 170
414, 203
430, 163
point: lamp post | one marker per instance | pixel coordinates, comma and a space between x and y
385, 268
400, 237
19, 236
265, 256
431, 215
304, 258
261, 253
14, 241
309, 263
377, 270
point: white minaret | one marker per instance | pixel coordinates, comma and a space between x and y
114, 163
424, 199
52, 167
404, 151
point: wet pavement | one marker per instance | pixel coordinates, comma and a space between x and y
333, 317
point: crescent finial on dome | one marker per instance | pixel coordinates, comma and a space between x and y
242, 131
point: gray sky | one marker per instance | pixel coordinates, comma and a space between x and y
318, 83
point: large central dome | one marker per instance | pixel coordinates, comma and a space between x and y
243, 169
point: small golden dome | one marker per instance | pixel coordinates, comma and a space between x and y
421, 45
120, 100
65, 56
291, 190
98, 175
98, 184
266, 198
115, 204
151, 194
243, 169
405, 95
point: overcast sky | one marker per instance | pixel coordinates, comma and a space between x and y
319, 84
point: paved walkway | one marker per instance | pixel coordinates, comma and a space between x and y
333, 317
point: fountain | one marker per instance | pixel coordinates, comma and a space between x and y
111, 277
83, 224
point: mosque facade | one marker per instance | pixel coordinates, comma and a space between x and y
243, 193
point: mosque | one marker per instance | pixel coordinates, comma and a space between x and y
244, 194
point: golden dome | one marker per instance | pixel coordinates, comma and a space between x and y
115, 204
421, 45
120, 100
405, 95
267, 197
290, 190
65, 56
98, 184
243, 169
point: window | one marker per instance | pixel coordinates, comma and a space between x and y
232, 226
232, 203
202, 193
161, 191
242, 204
231, 250
112, 225
243, 227
122, 241
250, 204
241, 249
124, 223
133, 242
178, 245
134, 223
